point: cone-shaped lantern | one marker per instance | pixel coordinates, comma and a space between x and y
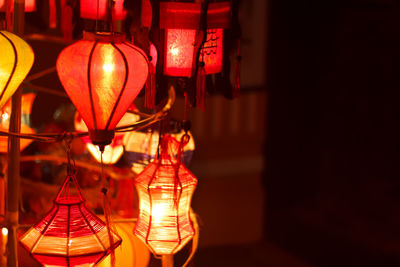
69, 235
16, 59
102, 74
165, 189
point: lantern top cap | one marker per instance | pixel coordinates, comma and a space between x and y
104, 37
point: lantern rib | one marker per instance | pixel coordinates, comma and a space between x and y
90, 87
91, 228
123, 86
68, 234
14, 66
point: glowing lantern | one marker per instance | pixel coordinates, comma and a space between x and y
141, 148
181, 22
165, 189
113, 152
26, 107
102, 74
15, 62
89, 9
69, 235
30, 5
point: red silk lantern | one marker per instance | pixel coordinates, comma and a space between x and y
181, 22
69, 235
102, 74
165, 189
30, 5
89, 9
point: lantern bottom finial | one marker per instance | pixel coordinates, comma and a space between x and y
101, 137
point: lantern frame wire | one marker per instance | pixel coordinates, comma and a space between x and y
14, 65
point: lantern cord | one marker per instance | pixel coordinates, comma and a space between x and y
107, 212
236, 85
97, 16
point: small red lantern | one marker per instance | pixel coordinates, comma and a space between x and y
102, 74
165, 189
70, 235
89, 9
181, 22
30, 5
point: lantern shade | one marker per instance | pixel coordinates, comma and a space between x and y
102, 75
69, 235
30, 5
15, 62
89, 9
181, 22
165, 188
141, 148
26, 107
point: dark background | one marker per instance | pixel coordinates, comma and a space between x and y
332, 174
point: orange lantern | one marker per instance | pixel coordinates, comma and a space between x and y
113, 152
181, 22
90, 10
102, 74
70, 235
15, 62
165, 189
26, 107
30, 5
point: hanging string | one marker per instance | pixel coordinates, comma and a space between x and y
97, 16
236, 85
107, 211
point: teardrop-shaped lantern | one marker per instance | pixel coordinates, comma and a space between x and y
102, 74
165, 189
16, 60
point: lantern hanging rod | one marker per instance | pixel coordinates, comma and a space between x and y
139, 125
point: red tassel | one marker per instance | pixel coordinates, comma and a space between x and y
150, 89
147, 14
66, 20
201, 87
236, 85
52, 14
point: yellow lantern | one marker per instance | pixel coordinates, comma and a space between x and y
16, 60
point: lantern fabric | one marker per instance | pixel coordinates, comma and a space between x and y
113, 152
102, 74
30, 5
16, 61
141, 148
69, 235
181, 22
165, 188
26, 107
89, 9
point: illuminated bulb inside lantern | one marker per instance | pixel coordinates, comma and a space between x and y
174, 51
4, 231
4, 116
159, 212
108, 67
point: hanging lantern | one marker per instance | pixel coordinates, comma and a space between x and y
165, 189
26, 107
181, 22
30, 5
102, 74
113, 152
70, 235
89, 9
15, 62
141, 148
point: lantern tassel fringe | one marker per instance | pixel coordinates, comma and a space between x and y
201, 87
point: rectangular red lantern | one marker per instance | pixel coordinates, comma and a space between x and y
181, 22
